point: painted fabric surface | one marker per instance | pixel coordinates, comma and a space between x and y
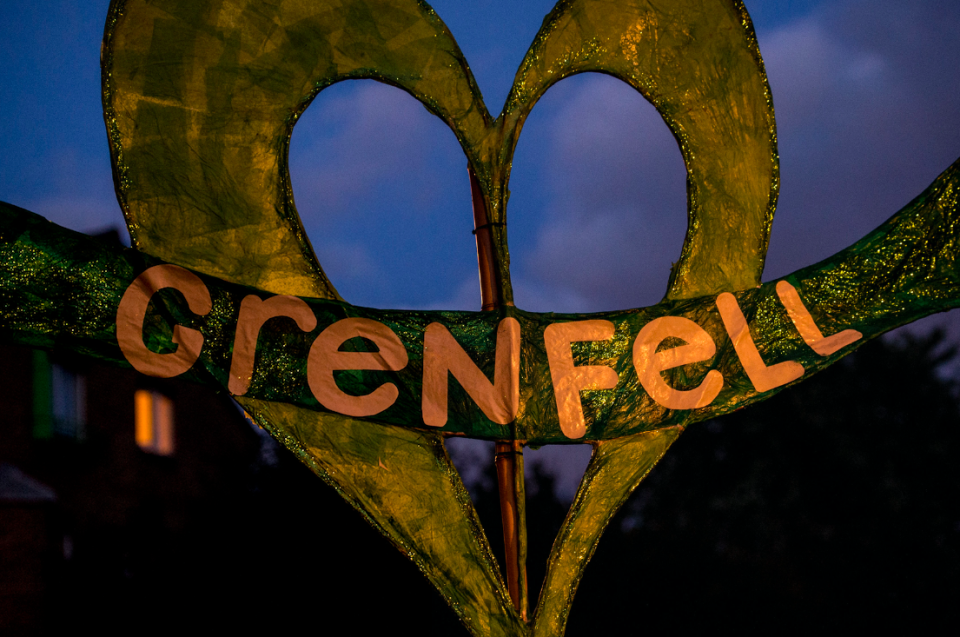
222, 286
794, 327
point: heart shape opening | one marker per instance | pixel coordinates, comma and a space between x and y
378, 182
597, 200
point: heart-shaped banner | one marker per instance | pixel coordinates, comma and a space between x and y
200, 100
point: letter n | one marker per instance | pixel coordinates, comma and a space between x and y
442, 354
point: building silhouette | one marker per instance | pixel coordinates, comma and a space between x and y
105, 477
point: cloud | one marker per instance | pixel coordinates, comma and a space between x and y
612, 200
864, 121
351, 263
371, 168
357, 138
867, 104
465, 297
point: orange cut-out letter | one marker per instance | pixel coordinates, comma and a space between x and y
325, 357
133, 311
443, 356
569, 380
649, 362
812, 336
253, 314
763, 378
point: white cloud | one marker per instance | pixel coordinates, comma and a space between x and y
372, 168
354, 138
349, 262
863, 123
612, 201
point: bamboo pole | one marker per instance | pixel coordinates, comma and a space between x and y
509, 453
486, 258
509, 462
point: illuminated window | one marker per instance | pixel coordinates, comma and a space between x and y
153, 422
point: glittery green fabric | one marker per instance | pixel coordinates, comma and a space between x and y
903, 271
200, 99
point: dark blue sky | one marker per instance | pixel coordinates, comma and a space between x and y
867, 97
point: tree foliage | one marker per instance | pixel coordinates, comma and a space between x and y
835, 505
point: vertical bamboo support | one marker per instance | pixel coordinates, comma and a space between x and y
509, 463
509, 453
486, 258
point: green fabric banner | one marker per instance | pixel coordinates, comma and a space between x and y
510, 374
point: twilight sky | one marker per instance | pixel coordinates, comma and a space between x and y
867, 98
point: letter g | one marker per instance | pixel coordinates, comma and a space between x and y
133, 311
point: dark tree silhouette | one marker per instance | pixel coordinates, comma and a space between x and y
833, 506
